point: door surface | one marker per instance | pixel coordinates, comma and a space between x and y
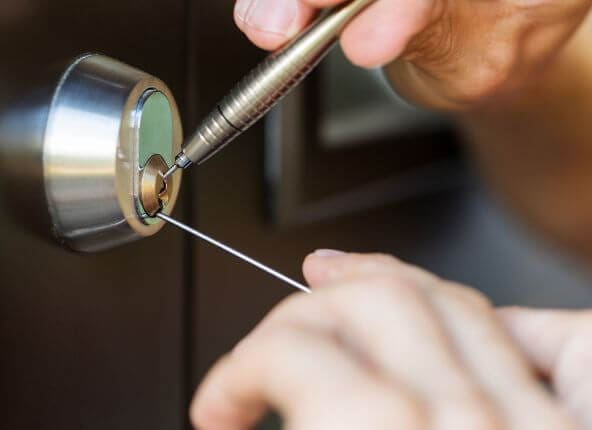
119, 340
90, 341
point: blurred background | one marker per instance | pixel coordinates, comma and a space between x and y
120, 339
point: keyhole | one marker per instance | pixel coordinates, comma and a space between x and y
154, 189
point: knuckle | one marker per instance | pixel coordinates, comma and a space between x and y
397, 410
583, 331
435, 46
482, 418
375, 407
586, 320
289, 304
410, 416
392, 287
555, 417
552, 9
573, 363
492, 72
468, 413
398, 270
470, 297
426, 11
377, 261
368, 264
386, 290
470, 75
378, 285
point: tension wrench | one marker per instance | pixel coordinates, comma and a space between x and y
234, 252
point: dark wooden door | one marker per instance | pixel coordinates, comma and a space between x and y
91, 341
119, 340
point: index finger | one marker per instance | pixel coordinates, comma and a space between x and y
305, 376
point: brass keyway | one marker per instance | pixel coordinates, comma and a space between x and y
154, 189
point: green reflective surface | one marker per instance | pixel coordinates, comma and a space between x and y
155, 135
156, 129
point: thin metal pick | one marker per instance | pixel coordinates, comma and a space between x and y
169, 172
234, 252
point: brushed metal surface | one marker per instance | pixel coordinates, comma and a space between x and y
90, 153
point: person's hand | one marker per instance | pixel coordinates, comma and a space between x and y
383, 345
453, 54
559, 344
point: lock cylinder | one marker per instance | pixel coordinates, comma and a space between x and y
156, 145
154, 188
108, 134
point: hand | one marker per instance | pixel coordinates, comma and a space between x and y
559, 344
378, 345
453, 54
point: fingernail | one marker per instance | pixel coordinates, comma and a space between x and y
241, 8
327, 253
273, 16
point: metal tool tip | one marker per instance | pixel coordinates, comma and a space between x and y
169, 172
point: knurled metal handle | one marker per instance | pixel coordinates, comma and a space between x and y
257, 93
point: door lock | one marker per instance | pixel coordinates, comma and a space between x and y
94, 152
154, 187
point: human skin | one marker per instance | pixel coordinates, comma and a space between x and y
448, 54
382, 344
514, 73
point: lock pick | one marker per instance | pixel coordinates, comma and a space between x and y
234, 252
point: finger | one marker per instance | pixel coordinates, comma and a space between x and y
381, 33
322, 3
306, 377
393, 320
469, 321
391, 327
376, 37
560, 345
330, 266
494, 360
269, 24
542, 335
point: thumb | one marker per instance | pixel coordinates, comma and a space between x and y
559, 345
269, 24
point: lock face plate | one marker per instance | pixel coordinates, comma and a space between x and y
155, 155
105, 122
155, 127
